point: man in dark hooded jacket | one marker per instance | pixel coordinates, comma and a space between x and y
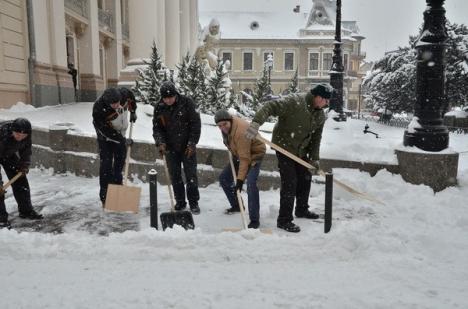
110, 119
176, 131
15, 157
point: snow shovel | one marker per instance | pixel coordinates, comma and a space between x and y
241, 203
12, 180
122, 198
168, 219
321, 173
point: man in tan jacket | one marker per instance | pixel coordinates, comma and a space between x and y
247, 155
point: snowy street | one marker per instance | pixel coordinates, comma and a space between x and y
409, 253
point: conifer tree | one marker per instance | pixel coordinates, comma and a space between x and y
293, 84
216, 95
261, 90
148, 82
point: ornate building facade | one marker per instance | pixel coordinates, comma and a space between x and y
59, 51
295, 39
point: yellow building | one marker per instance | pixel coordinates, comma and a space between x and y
297, 39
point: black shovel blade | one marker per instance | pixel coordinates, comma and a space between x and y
182, 218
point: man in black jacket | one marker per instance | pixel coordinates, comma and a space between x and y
110, 119
15, 157
176, 131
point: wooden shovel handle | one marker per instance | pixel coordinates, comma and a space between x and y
12, 180
169, 183
309, 166
239, 197
127, 158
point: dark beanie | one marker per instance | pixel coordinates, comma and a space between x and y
111, 95
222, 115
323, 90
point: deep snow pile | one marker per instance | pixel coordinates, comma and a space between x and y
410, 252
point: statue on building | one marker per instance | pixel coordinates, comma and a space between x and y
205, 53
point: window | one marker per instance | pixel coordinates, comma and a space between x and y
288, 61
248, 61
327, 62
345, 62
265, 57
227, 56
313, 64
100, 4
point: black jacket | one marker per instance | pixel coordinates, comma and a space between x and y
103, 114
9, 146
178, 125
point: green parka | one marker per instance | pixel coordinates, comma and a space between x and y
299, 127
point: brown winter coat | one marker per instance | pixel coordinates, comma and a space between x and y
247, 151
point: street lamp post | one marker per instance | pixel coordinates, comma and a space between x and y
429, 133
336, 74
269, 66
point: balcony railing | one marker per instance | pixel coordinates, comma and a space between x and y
105, 20
125, 32
79, 7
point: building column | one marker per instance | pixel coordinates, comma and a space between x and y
185, 21
114, 50
92, 84
172, 53
193, 26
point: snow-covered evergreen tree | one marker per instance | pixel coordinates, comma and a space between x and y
148, 82
217, 98
183, 82
261, 90
391, 84
293, 84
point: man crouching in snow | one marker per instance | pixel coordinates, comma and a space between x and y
15, 157
248, 155
110, 119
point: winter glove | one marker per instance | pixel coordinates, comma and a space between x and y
252, 130
23, 169
2, 191
162, 149
133, 117
239, 184
190, 150
129, 142
316, 166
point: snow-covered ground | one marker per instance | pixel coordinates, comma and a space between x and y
409, 253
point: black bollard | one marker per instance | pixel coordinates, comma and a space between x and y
328, 201
153, 181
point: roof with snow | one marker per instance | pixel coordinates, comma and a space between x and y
317, 22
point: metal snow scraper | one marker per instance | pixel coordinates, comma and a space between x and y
121, 198
168, 219
241, 204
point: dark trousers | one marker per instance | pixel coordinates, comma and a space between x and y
227, 183
20, 187
112, 161
295, 184
175, 161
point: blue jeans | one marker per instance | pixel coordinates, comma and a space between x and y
227, 183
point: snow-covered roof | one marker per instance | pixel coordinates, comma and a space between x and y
272, 25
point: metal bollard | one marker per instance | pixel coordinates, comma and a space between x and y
328, 201
153, 181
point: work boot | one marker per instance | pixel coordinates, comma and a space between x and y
232, 210
254, 224
289, 227
306, 214
31, 215
180, 206
194, 208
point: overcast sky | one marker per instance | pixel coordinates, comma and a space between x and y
386, 24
